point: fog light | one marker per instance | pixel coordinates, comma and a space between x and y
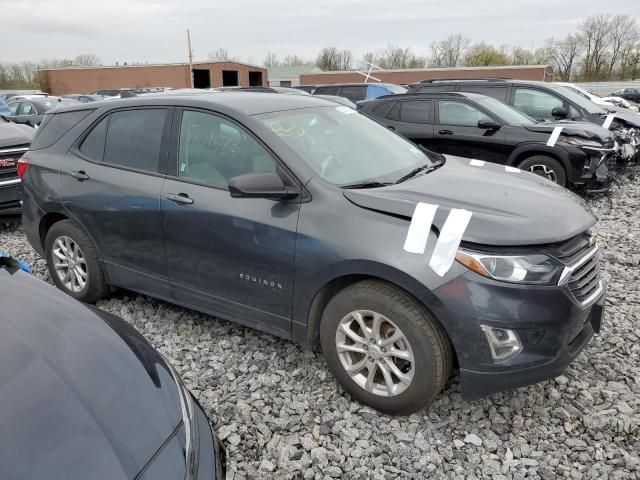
503, 342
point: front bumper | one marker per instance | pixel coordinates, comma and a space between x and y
10, 196
552, 326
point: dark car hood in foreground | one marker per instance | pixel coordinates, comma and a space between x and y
80, 398
12, 134
508, 208
573, 129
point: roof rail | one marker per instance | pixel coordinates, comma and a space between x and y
483, 79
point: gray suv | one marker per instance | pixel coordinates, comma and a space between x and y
307, 220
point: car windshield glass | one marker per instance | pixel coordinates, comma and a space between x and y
344, 147
504, 112
582, 102
396, 89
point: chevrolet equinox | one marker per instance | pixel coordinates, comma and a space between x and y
312, 222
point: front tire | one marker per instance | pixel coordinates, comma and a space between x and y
73, 262
384, 348
546, 167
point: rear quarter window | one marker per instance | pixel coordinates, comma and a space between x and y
55, 126
499, 92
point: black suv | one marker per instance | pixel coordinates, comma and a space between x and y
547, 101
306, 219
479, 127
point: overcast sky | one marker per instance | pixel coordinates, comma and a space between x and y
154, 31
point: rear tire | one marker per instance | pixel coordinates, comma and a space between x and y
546, 167
408, 372
73, 262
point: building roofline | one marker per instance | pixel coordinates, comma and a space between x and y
177, 64
446, 69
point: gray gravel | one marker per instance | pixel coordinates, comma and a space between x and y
281, 415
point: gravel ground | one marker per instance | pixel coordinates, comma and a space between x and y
281, 415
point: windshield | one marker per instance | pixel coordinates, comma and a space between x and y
344, 147
504, 112
578, 99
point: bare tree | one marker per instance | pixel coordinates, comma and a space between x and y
448, 52
222, 55
565, 54
87, 60
484, 55
595, 37
521, 56
624, 34
271, 60
293, 61
334, 59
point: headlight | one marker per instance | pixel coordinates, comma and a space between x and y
534, 268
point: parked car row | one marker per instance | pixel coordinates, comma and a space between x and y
310, 221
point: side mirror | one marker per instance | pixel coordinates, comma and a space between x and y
260, 185
488, 125
559, 112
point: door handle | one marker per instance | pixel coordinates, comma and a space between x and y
445, 132
79, 175
391, 127
182, 198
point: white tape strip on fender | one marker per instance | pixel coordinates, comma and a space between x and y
554, 136
608, 121
449, 240
477, 163
419, 228
507, 168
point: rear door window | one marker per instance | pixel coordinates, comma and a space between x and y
382, 109
134, 139
417, 111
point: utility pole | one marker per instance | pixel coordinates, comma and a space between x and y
190, 57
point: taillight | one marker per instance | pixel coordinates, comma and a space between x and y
23, 166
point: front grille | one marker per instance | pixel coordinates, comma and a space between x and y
9, 160
582, 260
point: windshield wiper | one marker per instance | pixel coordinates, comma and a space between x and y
423, 169
367, 185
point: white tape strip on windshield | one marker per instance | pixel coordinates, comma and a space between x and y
449, 240
477, 163
554, 136
419, 228
608, 121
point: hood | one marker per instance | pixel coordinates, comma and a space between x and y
586, 130
508, 208
625, 118
82, 397
12, 134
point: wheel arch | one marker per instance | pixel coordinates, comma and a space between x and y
306, 325
523, 152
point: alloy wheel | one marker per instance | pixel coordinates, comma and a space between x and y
375, 353
544, 171
69, 264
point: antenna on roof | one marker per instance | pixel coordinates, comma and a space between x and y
370, 68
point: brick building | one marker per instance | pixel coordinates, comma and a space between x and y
405, 77
60, 81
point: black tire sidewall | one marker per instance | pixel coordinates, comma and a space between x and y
425, 384
95, 287
550, 162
